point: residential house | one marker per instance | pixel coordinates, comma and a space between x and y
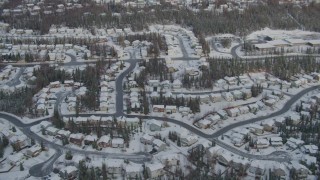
302, 172
146, 139
19, 142
15, 158
104, 141
243, 110
233, 112
293, 143
295, 118
188, 140
115, 166
69, 172
246, 93
253, 107
227, 96
177, 84
262, 143
231, 80
76, 139
256, 129
171, 109
276, 141
158, 108
52, 131
270, 102
155, 170
204, 98
237, 95
268, 125
159, 145
61, 134
133, 170
216, 97
213, 118
117, 143
34, 150
204, 123
223, 114
155, 125
45, 124
310, 149
90, 139
257, 169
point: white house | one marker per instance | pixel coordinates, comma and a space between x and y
154, 170
233, 112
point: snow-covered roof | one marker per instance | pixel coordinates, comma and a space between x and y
76, 136
117, 141
104, 138
155, 166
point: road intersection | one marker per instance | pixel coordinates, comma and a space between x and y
45, 168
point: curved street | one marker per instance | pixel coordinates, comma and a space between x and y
46, 167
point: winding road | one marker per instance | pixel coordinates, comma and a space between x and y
46, 167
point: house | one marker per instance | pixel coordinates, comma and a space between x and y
158, 108
231, 80
237, 139
159, 145
155, 125
104, 141
243, 110
117, 143
61, 134
268, 125
222, 114
19, 142
227, 96
276, 141
52, 131
133, 170
262, 143
204, 98
188, 140
233, 112
90, 139
14, 159
302, 172
76, 139
177, 84
256, 129
146, 139
155, 170
246, 93
280, 170
204, 123
45, 124
223, 157
310, 149
261, 105
34, 151
184, 110
115, 166
170, 160
253, 107
213, 118
295, 118
256, 169
171, 109
293, 143
216, 97
270, 102
69, 172
237, 95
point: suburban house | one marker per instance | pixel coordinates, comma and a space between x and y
52, 131
204, 123
71, 172
158, 108
89, 139
253, 107
146, 139
155, 125
188, 140
76, 139
63, 134
233, 112
227, 96
216, 97
293, 143
268, 125
159, 145
104, 141
223, 114
33, 151
276, 141
171, 109
19, 142
243, 110
154, 170
262, 143
256, 169
170, 160
237, 94
115, 166
117, 143
133, 170
310, 149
